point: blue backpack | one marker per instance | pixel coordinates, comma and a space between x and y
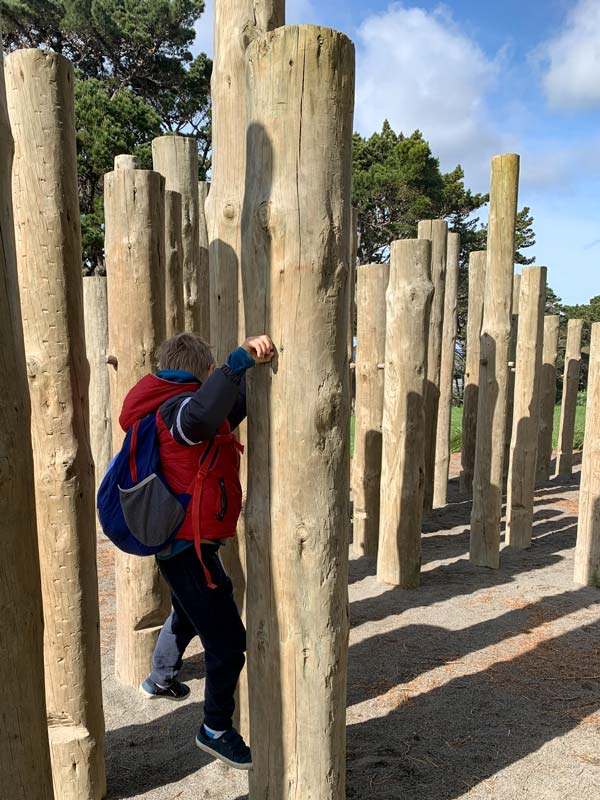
138, 511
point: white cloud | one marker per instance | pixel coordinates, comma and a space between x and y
572, 77
419, 70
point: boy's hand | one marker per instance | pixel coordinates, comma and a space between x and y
260, 348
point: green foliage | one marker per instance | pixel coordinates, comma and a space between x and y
135, 79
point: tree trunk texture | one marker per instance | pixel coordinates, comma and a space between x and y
126, 161
134, 202
442, 446
48, 245
372, 281
493, 374
587, 551
203, 190
477, 266
237, 23
296, 224
25, 772
526, 414
568, 409
174, 301
512, 368
95, 306
176, 158
547, 397
409, 297
436, 230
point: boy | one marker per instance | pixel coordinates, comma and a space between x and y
198, 407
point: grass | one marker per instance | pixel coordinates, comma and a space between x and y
456, 426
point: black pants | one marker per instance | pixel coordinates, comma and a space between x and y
213, 616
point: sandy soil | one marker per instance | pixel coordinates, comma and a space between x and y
480, 684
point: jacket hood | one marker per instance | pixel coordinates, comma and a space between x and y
150, 393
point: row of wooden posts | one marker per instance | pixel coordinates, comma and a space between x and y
279, 237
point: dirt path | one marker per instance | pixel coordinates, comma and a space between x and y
480, 684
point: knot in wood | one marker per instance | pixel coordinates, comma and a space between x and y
264, 215
229, 211
33, 367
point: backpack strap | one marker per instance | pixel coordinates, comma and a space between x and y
208, 459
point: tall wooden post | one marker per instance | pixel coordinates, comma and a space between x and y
512, 368
203, 190
39, 87
587, 551
176, 158
296, 236
25, 757
372, 281
174, 300
493, 374
523, 447
436, 230
568, 410
477, 262
442, 446
134, 202
547, 397
403, 462
95, 306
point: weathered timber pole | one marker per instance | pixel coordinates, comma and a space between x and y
371, 285
436, 230
125, 161
295, 264
25, 756
493, 373
568, 409
512, 368
523, 448
477, 262
237, 23
176, 158
203, 190
587, 550
442, 446
134, 202
39, 88
409, 296
174, 302
547, 397
95, 306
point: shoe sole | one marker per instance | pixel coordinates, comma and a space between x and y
150, 696
207, 749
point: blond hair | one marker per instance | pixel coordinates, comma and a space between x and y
188, 352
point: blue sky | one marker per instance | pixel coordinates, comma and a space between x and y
481, 77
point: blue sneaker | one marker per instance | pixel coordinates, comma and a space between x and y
174, 691
229, 748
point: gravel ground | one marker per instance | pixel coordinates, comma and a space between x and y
479, 684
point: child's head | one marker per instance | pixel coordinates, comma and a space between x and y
187, 352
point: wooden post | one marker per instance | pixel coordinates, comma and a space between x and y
39, 88
174, 302
477, 262
403, 462
352, 283
436, 230
587, 551
237, 23
95, 307
547, 397
493, 374
442, 446
25, 757
134, 202
372, 281
296, 226
523, 447
512, 367
564, 461
125, 161
176, 158
203, 190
